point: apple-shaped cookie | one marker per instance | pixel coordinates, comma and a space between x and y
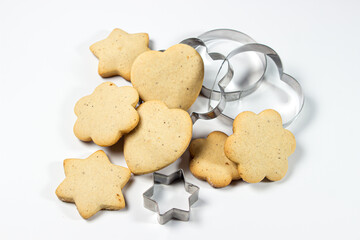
159, 139
174, 76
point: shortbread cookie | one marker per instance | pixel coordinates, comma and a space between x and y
209, 161
106, 114
93, 184
174, 76
160, 138
118, 51
260, 145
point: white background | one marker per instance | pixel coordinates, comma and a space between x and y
46, 66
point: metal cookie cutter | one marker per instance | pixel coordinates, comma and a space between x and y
173, 213
285, 78
200, 45
211, 38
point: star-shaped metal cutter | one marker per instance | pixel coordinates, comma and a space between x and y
173, 213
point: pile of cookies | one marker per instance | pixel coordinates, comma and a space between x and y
158, 130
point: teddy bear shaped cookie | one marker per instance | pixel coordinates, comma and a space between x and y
209, 161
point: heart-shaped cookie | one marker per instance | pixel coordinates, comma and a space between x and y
174, 76
159, 139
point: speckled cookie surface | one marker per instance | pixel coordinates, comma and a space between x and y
118, 51
160, 138
260, 146
106, 114
174, 76
209, 161
93, 184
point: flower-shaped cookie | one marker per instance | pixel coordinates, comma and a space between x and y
118, 51
174, 76
106, 114
260, 146
93, 184
209, 161
159, 139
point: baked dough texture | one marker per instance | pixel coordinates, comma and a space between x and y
93, 184
174, 76
160, 138
260, 146
209, 161
118, 51
106, 114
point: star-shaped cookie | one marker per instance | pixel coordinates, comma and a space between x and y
209, 161
93, 184
260, 146
118, 51
106, 114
